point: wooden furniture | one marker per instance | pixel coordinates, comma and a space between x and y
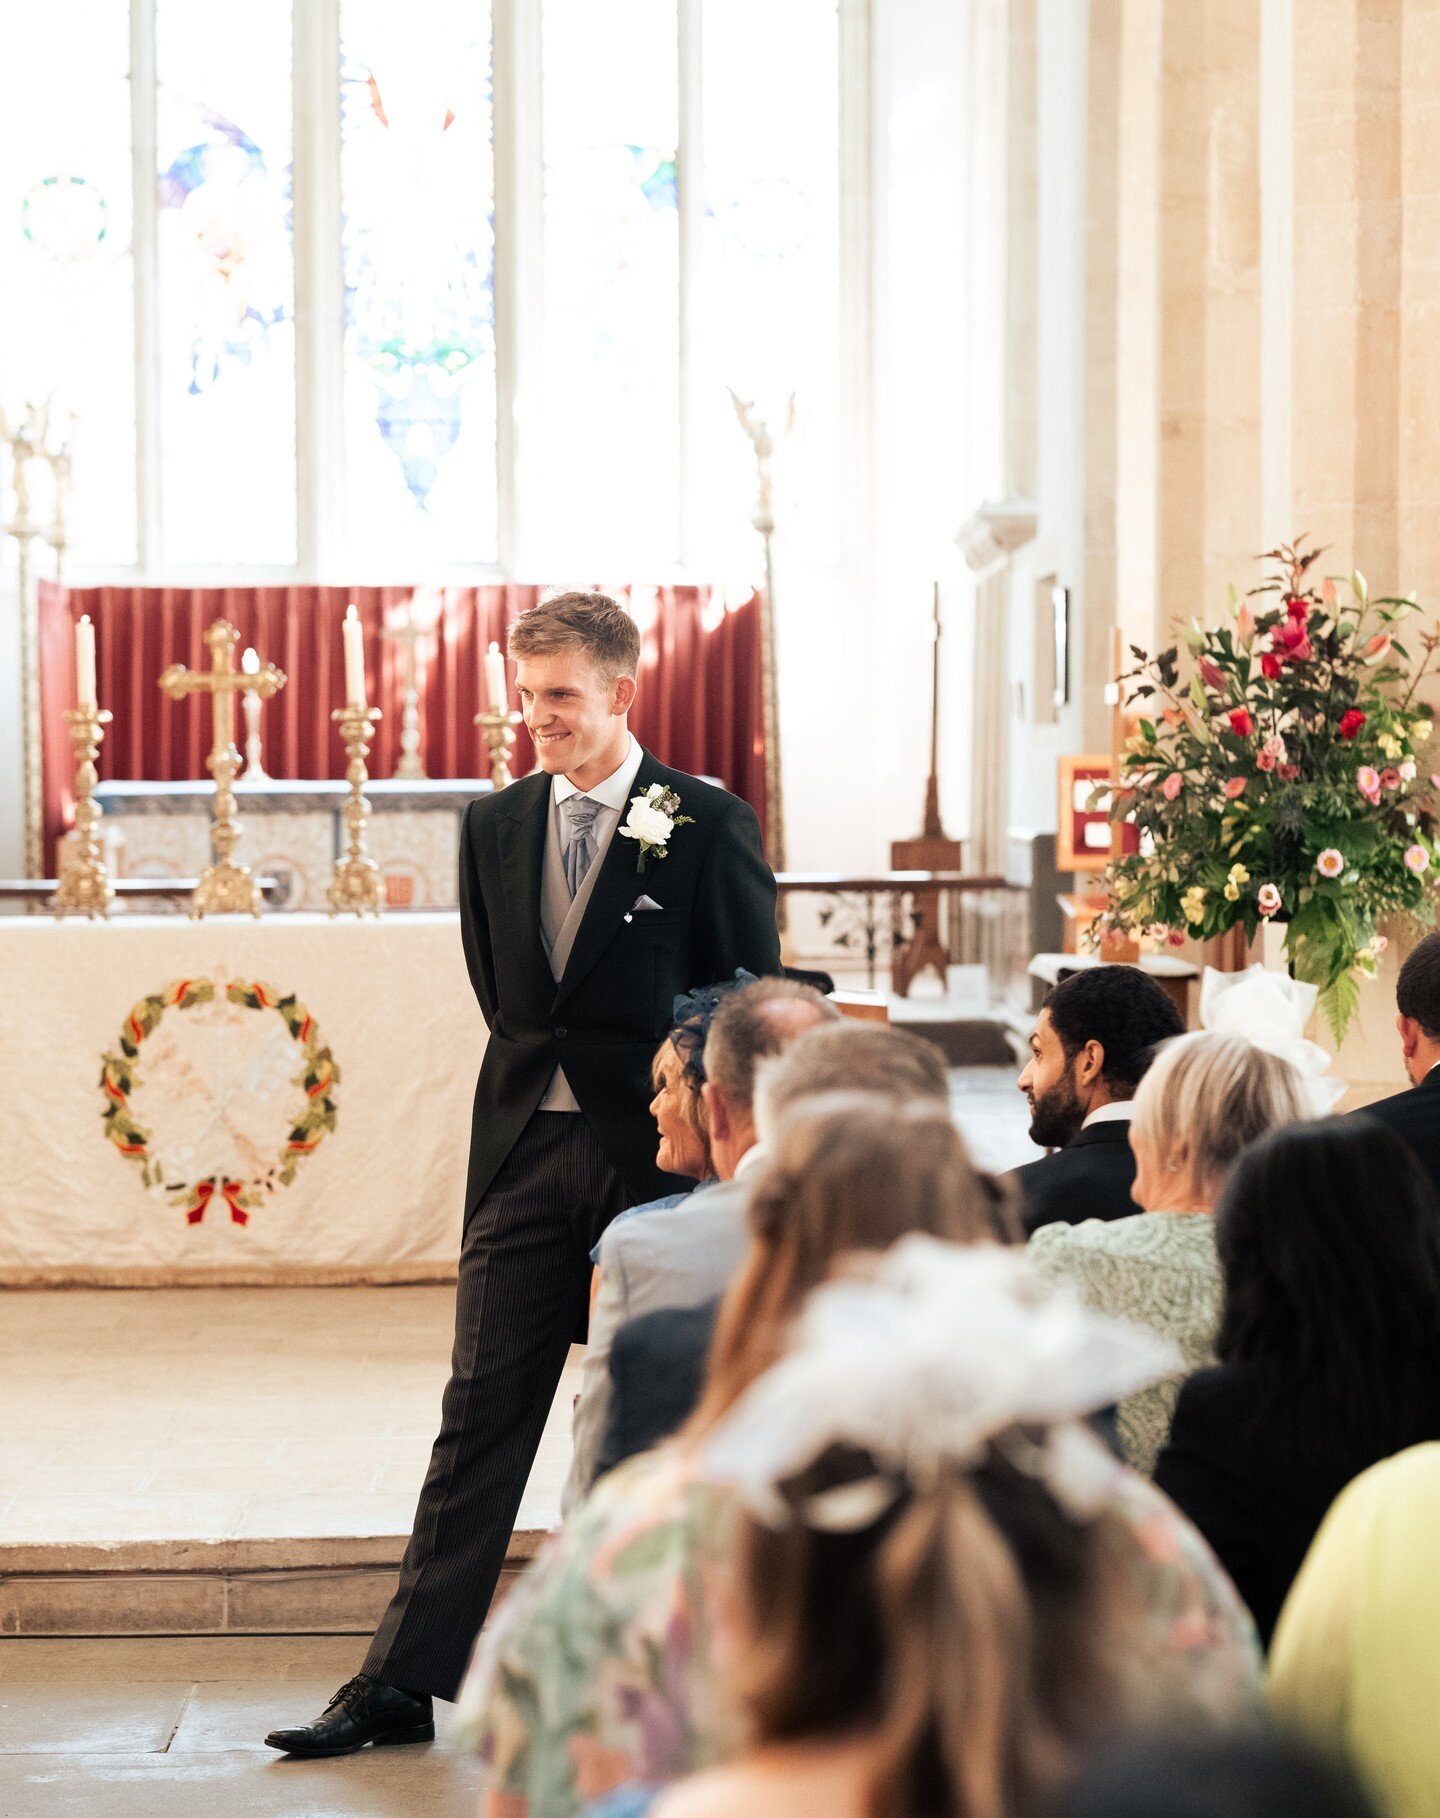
870, 910
1175, 975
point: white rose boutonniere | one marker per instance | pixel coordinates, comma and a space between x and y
653, 817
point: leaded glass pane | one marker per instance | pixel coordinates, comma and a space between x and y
418, 182
768, 299
227, 284
67, 308
608, 428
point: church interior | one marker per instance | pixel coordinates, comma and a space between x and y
912, 373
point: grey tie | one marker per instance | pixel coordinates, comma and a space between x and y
580, 812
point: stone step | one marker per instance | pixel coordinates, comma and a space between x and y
322, 1585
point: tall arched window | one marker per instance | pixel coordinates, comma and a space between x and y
347, 287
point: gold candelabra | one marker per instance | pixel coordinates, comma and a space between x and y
84, 887
355, 887
498, 725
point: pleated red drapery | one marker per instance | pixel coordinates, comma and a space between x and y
699, 706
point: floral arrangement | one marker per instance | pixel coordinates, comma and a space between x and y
1281, 781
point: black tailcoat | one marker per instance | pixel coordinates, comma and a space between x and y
612, 1006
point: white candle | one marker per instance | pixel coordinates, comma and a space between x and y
354, 659
495, 680
85, 662
250, 663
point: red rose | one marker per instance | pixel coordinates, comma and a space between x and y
1298, 609
1241, 724
1390, 779
1287, 773
1290, 637
1270, 667
1351, 723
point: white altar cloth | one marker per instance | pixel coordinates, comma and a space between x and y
300, 1111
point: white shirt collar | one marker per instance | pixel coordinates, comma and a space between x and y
614, 792
754, 1157
1119, 1112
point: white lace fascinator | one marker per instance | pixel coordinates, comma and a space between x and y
1271, 1009
920, 1364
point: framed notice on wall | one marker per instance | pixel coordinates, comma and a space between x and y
1082, 837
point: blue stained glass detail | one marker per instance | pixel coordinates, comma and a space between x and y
657, 175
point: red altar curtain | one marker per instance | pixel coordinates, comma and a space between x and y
699, 706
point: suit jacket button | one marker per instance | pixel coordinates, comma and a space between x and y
561, 1033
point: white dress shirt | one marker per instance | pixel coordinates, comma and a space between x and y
1118, 1111
613, 795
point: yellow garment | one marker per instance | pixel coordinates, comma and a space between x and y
1356, 1655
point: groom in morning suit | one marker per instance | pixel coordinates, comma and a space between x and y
576, 956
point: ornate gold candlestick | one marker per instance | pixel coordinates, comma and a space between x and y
84, 887
410, 764
499, 728
225, 888
355, 886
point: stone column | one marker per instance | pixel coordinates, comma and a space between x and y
988, 539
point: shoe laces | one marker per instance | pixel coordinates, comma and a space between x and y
351, 1696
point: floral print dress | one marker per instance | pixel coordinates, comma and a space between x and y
604, 1666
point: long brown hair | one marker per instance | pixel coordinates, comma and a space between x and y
849, 1172
971, 1634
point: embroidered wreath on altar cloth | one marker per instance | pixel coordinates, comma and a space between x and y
242, 1189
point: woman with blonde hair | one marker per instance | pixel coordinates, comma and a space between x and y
602, 1667
1206, 1098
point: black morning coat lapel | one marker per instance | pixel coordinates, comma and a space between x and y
616, 888
520, 831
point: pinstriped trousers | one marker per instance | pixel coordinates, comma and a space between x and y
520, 1303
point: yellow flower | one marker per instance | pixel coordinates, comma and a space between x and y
1238, 875
1390, 745
1423, 729
1232, 893
1192, 904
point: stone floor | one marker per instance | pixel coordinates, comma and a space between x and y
172, 1728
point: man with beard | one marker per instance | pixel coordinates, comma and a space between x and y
1094, 1038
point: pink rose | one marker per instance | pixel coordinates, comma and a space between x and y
1417, 859
1288, 772
1264, 761
1172, 785
1389, 779
1235, 787
1176, 938
1367, 781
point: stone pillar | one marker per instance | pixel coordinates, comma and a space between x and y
988, 540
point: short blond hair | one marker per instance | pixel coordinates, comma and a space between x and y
1207, 1097
591, 622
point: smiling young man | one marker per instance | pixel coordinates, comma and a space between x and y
576, 950
1090, 1048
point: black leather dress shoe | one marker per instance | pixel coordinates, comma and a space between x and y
362, 1711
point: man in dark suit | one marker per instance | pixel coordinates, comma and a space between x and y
1091, 1046
1415, 1114
592, 893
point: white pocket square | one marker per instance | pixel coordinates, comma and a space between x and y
643, 905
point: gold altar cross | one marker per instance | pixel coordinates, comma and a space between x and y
224, 887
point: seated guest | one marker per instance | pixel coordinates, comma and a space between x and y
1355, 1663
929, 1620
657, 1361
601, 1666
1415, 1114
1205, 1098
680, 1255
1329, 1246
1244, 1774
1088, 1053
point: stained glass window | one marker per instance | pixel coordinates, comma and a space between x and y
226, 285
769, 295
67, 322
608, 424
419, 241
